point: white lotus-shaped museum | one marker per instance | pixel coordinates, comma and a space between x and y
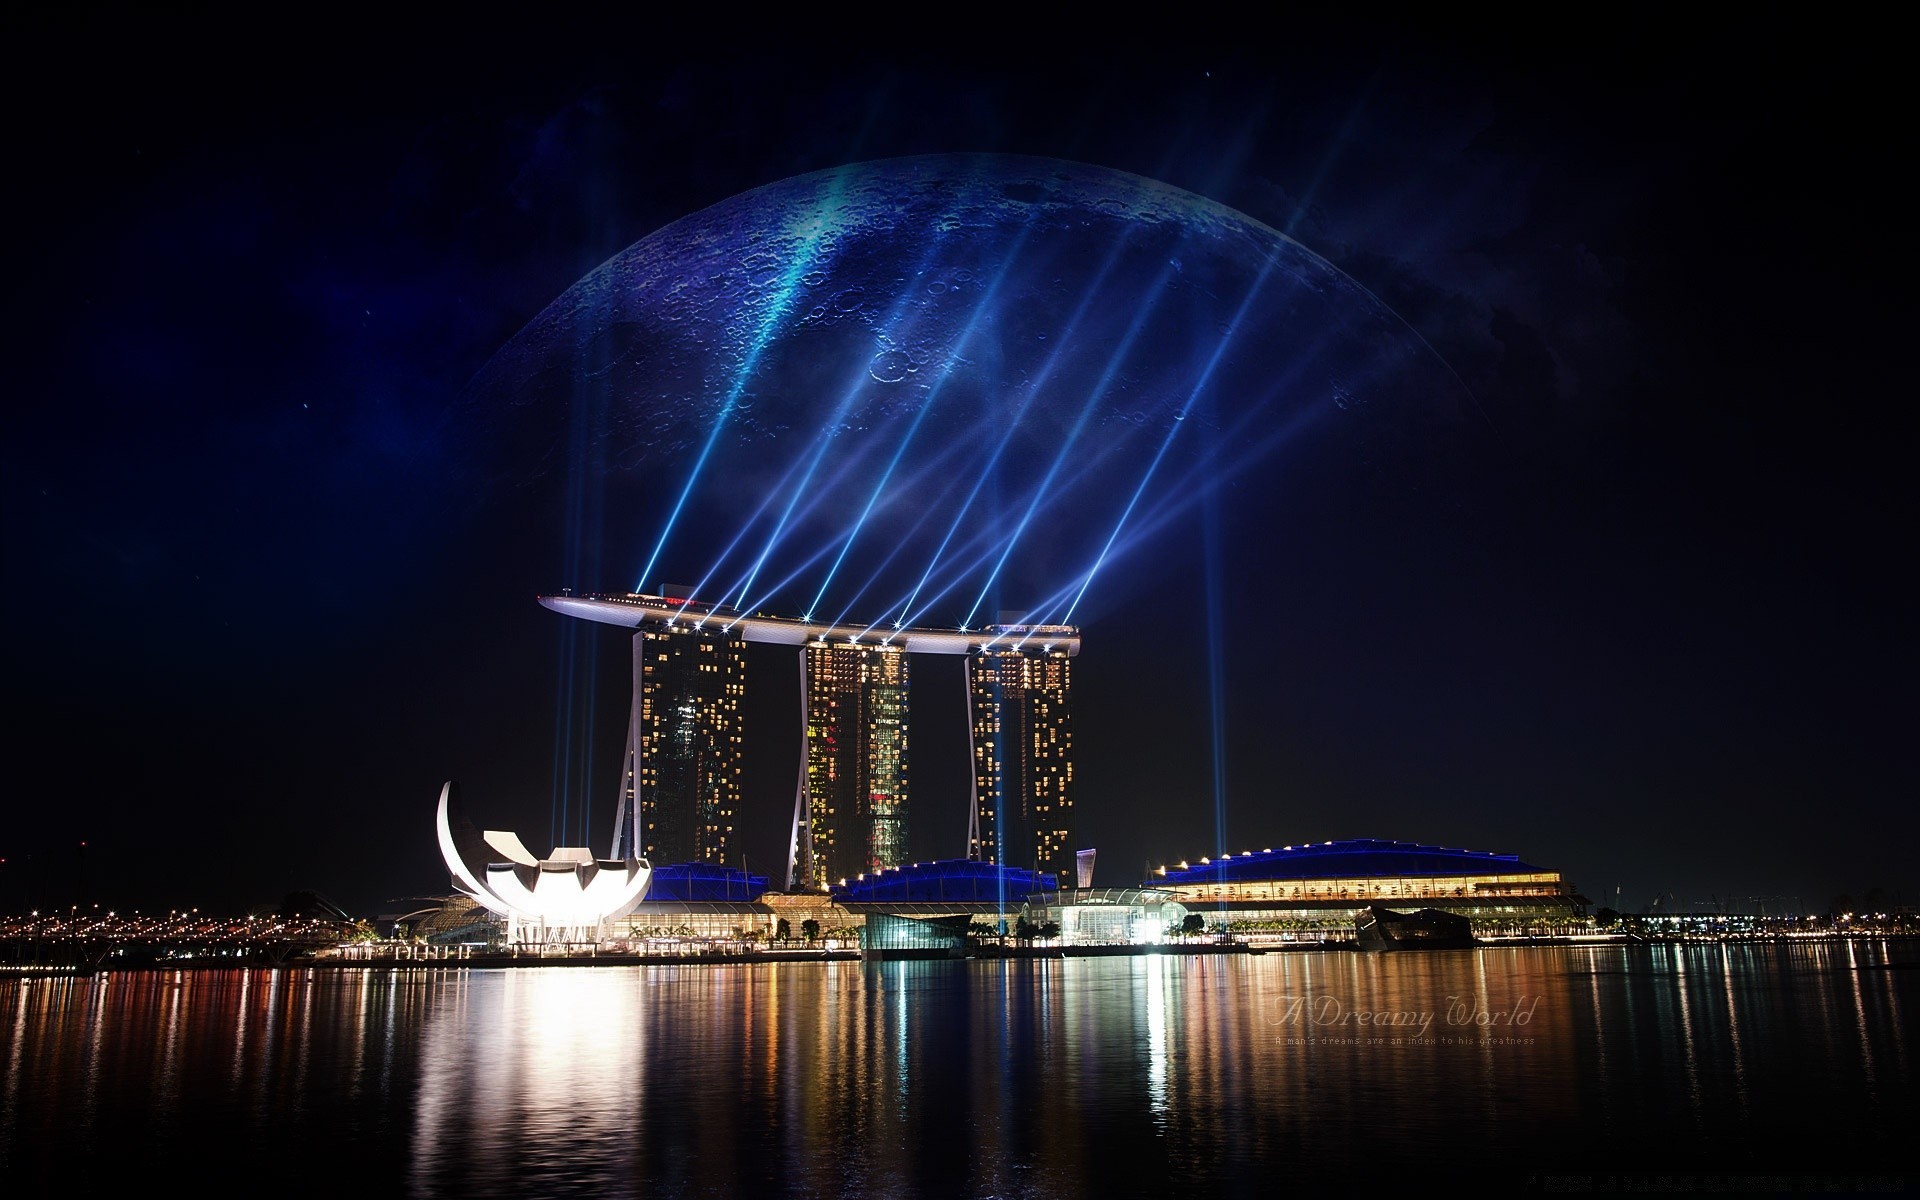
569, 891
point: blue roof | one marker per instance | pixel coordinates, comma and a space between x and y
1356, 858
960, 880
703, 882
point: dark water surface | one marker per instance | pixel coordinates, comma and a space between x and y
1761, 1068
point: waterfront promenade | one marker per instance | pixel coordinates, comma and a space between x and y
306, 947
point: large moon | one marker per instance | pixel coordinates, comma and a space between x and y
931, 388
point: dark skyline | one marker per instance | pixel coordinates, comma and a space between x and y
263, 603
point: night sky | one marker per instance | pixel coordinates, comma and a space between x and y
261, 603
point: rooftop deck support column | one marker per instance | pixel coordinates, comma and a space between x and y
800, 868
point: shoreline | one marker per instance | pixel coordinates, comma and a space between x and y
419, 959
512, 961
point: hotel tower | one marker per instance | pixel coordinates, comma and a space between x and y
680, 778
856, 763
1019, 692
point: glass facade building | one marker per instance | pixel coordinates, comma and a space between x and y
680, 780
886, 935
856, 764
1327, 884
1019, 691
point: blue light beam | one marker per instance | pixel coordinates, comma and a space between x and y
775, 313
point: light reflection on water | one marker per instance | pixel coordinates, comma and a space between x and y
1079, 1077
